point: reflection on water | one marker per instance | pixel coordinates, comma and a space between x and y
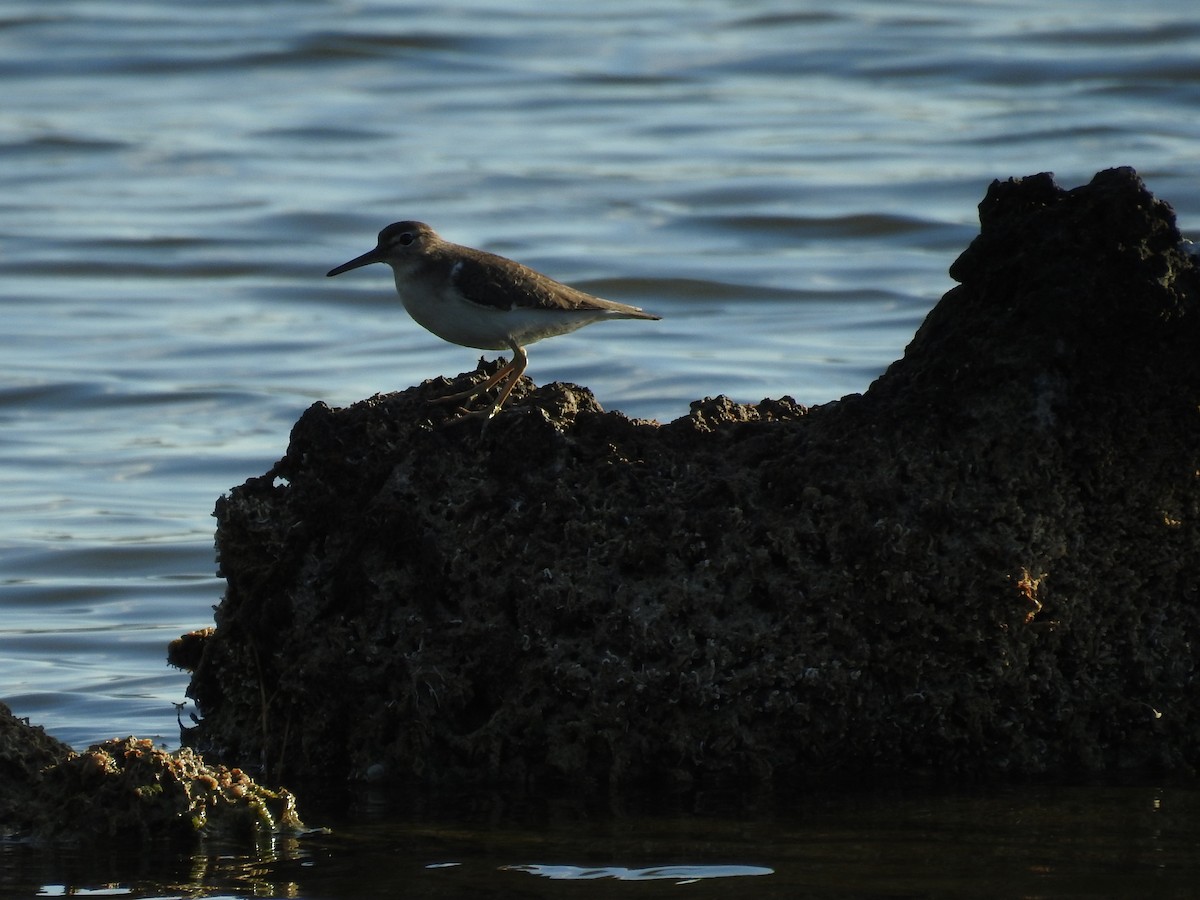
678, 874
786, 184
1041, 841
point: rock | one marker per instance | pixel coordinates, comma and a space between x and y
128, 790
985, 565
26, 751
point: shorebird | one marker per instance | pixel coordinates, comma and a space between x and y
478, 299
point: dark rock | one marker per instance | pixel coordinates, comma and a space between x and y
987, 564
186, 650
25, 752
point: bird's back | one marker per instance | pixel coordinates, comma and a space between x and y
495, 281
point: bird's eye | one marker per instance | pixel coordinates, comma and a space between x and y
406, 238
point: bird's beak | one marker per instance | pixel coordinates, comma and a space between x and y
371, 256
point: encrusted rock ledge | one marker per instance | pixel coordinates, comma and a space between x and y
987, 564
127, 789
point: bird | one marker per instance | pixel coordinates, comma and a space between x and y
478, 299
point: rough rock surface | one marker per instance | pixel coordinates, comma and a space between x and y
25, 752
127, 789
987, 564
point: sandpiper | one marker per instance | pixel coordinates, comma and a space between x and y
478, 299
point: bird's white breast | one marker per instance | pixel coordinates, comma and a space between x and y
445, 313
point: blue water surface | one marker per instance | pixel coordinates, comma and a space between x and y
786, 182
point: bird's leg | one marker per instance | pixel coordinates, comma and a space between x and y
513, 371
477, 389
520, 361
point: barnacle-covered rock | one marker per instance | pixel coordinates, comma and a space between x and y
989, 563
128, 789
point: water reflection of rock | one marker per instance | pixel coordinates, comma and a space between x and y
987, 564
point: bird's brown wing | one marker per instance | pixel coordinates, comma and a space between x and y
500, 283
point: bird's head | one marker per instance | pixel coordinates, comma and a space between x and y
399, 244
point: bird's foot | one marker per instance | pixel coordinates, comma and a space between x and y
459, 396
486, 413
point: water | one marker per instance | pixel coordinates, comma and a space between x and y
785, 182
1045, 842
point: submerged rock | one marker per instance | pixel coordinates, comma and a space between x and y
127, 789
986, 564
